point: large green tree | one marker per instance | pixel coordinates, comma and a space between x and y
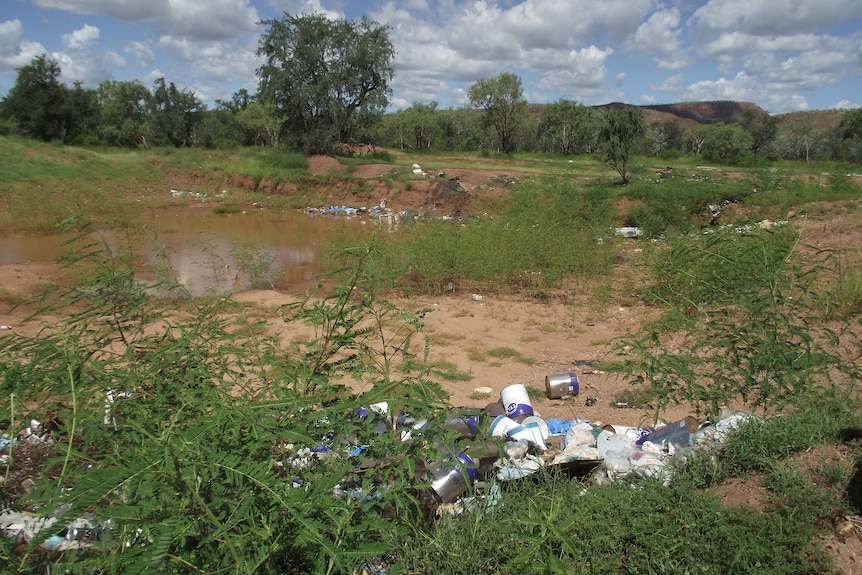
502, 98
326, 79
566, 127
35, 107
762, 128
619, 132
174, 115
122, 113
725, 142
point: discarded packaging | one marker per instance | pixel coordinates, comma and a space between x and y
453, 478
502, 425
677, 434
531, 433
562, 385
516, 400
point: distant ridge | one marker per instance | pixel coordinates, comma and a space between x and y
689, 115
712, 112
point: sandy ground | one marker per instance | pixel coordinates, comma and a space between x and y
465, 329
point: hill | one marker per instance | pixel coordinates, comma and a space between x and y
692, 114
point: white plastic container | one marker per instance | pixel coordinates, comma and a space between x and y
502, 425
516, 400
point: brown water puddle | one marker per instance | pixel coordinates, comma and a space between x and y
223, 252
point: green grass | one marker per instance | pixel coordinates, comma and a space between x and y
200, 469
510, 353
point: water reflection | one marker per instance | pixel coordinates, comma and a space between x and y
222, 252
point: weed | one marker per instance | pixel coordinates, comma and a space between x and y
193, 458
508, 352
745, 305
227, 209
256, 262
448, 371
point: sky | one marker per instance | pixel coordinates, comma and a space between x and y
783, 55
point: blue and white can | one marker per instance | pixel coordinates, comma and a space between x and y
516, 401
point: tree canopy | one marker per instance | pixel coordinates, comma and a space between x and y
324, 78
619, 132
502, 98
37, 101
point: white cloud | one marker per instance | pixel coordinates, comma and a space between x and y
81, 38
670, 84
304, 7
126, 10
195, 19
210, 20
15, 52
142, 53
779, 17
582, 78
845, 104
660, 36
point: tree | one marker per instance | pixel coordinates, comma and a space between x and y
658, 138
851, 129
503, 101
36, 104
238, 102
122, 113
325, 78
461, 129
566, 127
763, 129
804, 138
725, 142
618, 136
260, 121
174, 115
81, 116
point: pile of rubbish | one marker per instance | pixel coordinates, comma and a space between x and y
508, 441
503, 442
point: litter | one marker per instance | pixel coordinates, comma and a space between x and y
504, 442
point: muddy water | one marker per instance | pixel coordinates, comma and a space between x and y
206, 251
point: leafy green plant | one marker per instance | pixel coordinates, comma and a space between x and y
748, 317
256, 262
187, 433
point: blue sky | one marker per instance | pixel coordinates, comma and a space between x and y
784, 55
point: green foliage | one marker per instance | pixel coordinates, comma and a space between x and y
123, 116
508, 352
554, 525
256, 262
567, 127
325, 78
36, 104
173, 115
502, 98
183, 425
749, 324
619, 132
547, 231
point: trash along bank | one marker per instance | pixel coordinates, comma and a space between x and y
479, 452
